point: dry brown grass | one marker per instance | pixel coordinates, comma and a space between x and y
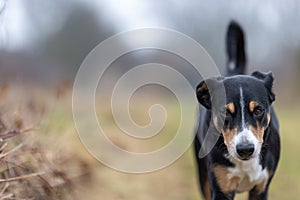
30, 167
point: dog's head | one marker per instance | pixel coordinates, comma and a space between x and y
243, 119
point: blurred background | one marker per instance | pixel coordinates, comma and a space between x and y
43, 43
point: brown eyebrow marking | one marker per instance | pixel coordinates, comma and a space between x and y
231, 108
252, 105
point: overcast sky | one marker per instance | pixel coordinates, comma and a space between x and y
272, 26
145, 13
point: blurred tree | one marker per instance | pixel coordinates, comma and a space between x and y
78, 36
69, 44
2, 6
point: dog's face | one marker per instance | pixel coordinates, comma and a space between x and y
245, 116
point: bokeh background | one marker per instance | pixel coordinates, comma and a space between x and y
43, 43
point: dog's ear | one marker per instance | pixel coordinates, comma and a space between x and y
268, 79
204, 89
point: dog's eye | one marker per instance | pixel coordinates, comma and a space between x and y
258, 112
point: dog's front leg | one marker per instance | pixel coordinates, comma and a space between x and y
222, 187
218, 192
217, 195
254, 194
260, 192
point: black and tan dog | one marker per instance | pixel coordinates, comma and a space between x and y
246, 154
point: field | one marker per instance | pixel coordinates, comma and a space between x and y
69, 172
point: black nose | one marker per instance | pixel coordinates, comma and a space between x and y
245, 150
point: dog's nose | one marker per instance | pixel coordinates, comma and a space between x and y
245, 150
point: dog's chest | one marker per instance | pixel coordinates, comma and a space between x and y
250, 173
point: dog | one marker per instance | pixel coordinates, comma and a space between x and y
247, 150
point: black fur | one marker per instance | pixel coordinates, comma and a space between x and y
256, 87
235, 50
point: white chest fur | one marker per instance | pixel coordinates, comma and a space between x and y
250, 173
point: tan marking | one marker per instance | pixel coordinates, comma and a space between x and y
225, 184
215, 119
252, 105
259, 131
228, 136
216, 123
207, 194
231, 108
269, 118
261, 187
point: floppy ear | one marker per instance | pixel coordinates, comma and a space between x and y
203, 93
268, 79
